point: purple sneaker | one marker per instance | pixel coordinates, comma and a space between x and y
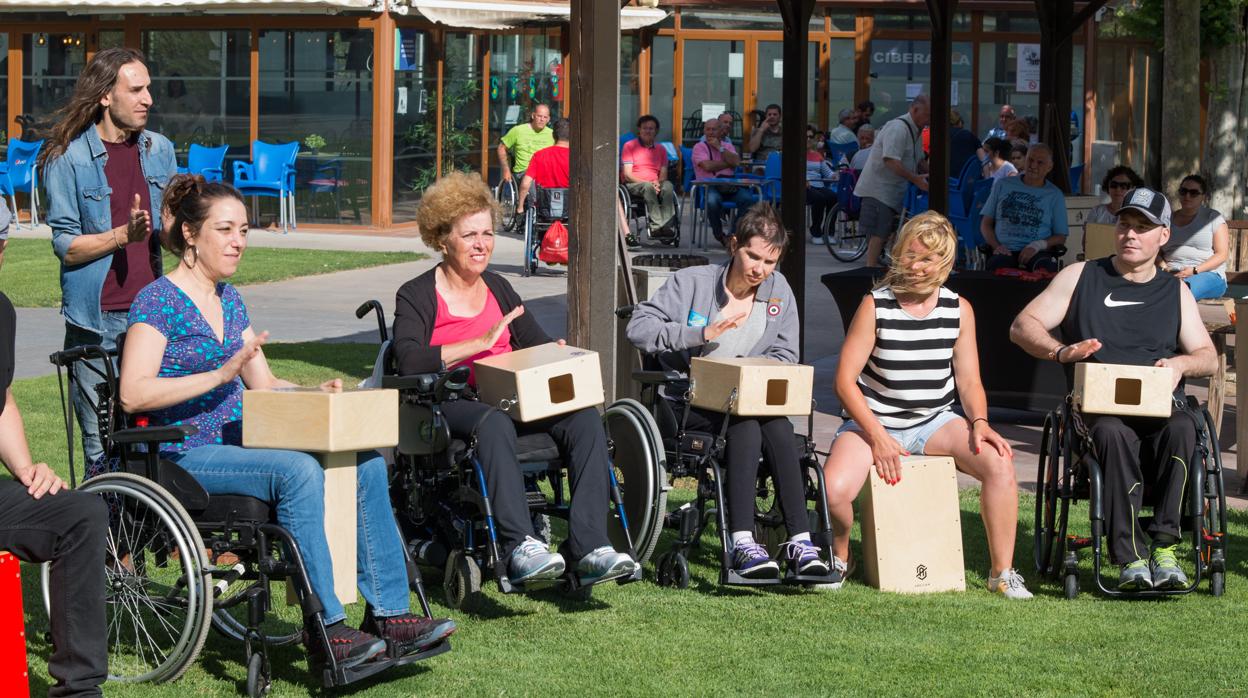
803, 558
751, 560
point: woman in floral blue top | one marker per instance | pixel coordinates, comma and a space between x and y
190, 352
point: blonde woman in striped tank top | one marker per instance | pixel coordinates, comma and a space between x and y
909, 352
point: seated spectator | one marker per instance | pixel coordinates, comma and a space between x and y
819, 193
844, 131
176, 371
1003, 120
866, 138
866, 110
765, 138
725, 123
1018, 155
962, 144
644, 172
1025, 217
549, 167
1199, 241
1118, 181
995, 154
1018, 132
713, 157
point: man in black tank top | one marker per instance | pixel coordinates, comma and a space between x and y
1124, 310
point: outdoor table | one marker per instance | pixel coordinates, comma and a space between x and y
1012, 377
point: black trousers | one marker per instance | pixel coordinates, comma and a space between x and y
819, 200
582, 442
68, 529
1135, 452
750, 438
1044, 260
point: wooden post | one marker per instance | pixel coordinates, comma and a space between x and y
592, 252
796, 14
383, 121
941, 12
1058, 23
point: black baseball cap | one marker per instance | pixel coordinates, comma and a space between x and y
1151, 204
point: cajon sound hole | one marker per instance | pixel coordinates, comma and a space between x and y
777, 391
1127, 391
561, 389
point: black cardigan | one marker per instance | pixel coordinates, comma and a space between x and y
416, 309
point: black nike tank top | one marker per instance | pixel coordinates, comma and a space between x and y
1137, 323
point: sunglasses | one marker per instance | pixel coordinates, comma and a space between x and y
1184, 191
1115, 184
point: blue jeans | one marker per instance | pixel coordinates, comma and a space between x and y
742, 198
296, 482
1206, 284
84, 396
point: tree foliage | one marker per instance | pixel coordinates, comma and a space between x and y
1220, 22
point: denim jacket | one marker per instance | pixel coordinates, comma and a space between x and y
78, 204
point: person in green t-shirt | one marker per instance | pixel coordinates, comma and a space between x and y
519, 144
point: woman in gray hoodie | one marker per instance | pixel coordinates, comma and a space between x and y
743, 307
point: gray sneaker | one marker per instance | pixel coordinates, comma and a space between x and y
1135, 576
605, 563
840, 570
1165, 567
532, 561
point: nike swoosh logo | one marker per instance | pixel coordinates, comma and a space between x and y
1111, 303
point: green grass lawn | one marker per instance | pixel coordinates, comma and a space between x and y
640, 639
31, 276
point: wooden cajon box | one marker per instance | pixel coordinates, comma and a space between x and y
912, 531
542, 381
765, 387
1098, 240
14, 674
1133, 391
334, 427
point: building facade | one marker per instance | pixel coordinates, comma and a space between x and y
384, 97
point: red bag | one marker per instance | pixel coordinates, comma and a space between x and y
554, 248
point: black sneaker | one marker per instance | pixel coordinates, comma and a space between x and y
409, 632
349, 646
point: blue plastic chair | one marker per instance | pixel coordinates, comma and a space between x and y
624, 139
205, 161
771, 175
270, 173
967, 224
18, 173
961, 187
1076, 179
836, 150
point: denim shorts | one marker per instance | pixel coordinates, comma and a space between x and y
914, 439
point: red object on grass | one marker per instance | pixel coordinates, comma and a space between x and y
14, 674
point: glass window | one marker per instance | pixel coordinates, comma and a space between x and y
50, 67
714, 80
1009, 22
662, 85
840, 77
918, 20
115, 38
201, 88
415, 120
844, 21
770, 88
998, 85
1078, 117
630, 81
899, 67
316, 87
525, 70
461, 105
731, 19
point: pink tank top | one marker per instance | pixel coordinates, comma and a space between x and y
449, 329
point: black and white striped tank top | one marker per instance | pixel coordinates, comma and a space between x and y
909, 377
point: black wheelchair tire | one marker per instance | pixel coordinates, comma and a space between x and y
462, 582
1071, 586
1217, 583
836, 225
258, 684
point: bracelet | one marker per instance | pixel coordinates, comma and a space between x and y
115, 241
1057, 353
978, 419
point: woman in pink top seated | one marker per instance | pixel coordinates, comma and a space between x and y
459, 312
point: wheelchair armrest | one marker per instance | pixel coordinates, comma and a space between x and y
147, 435
1058, 250
657, 377
419, 382
625, 312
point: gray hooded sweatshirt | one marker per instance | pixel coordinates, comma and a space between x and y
670, 325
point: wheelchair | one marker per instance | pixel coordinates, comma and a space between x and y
506, 193
181, 561
636, 212
840, 223
1069, 471
439, 493
545, 206
698, 455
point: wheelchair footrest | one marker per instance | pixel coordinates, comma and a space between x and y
535, 499
342, 677
734, 578
790, 578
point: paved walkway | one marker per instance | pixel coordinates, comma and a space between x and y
322, 308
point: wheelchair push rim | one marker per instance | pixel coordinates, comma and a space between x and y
640, 469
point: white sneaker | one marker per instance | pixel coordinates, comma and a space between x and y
839, 573
816, 241
1009, 585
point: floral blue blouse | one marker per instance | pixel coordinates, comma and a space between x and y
193, 348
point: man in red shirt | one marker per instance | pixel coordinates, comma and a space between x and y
549, 166
644, 173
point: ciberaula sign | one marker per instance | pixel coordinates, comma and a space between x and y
914, 57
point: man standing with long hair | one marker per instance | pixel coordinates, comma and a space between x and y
104, 173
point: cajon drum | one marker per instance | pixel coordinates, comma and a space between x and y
765, 387
14, 674
1131, 391
1098, 240
912, 531
541, 381
333, 427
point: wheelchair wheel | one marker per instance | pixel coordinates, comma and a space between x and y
841, 236
158, 588
1046, 540
640, 467
230, 615
529, 264
505, 193
462, 582
672, 570
258, 683
1217, 583
1071, 586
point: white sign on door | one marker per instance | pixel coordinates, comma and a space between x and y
1027, 73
